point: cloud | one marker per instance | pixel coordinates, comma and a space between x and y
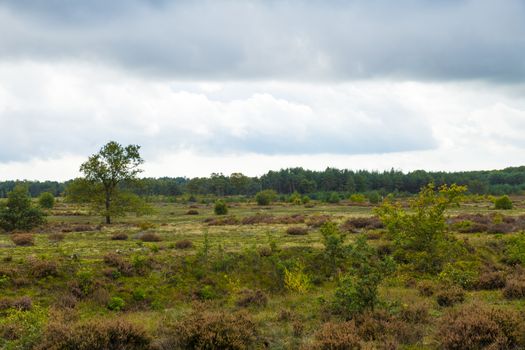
52, 110
294, 40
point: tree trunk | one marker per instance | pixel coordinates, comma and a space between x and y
108, 218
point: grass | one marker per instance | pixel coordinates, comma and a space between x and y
171, 283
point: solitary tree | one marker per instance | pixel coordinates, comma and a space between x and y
103, 173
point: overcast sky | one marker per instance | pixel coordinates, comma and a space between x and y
249, 86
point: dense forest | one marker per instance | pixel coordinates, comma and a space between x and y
286, 181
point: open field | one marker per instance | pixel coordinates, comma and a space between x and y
169, 263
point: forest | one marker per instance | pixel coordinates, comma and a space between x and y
316, 184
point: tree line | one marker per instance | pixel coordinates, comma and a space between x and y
287, 181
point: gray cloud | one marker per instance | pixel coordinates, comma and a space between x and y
298, 40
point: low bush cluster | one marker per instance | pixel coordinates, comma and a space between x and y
297, 231
98, 334
450, 295
150, 237
362, 223
477, 327
184, 244
23, 239
210, 330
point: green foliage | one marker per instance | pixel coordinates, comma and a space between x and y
220, 207
333, 240
46, 200
420, 234
18, 213
333, 197
357, 198
22, 328
103, 173
462, 273
265, 197
116, 304
503, 203
357, 291
374, 197
296, 280
295, 198
515, 251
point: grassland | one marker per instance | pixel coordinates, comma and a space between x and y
83, 273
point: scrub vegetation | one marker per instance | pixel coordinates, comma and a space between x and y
442, 269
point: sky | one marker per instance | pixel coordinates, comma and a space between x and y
251, 86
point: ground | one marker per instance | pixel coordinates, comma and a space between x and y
160, 283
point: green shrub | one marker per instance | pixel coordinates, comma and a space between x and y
333, 241
296, 280
46, 200
462, 273
265, 197
220, 208
19, 213
357, 198
420, 235
295, 198
116, 304
374, 197
333, 197
357, 291
503, 203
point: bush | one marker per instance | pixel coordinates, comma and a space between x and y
476, 327
357, 291
503, 203
40, 268
116, 304
357, 198
374, 198
46, 200
421, 232
295, 280
333, 241
250, 297
333, 198
490, 280
150, 237
265, 197
337, 336
450, 296
120, 236
220, 208
184, 244
19, 214
297, 231
426, 288
97, 334
23, 303
23, 239
514, 288
192, 212
212, 330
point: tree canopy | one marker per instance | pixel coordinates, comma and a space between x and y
105, 173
